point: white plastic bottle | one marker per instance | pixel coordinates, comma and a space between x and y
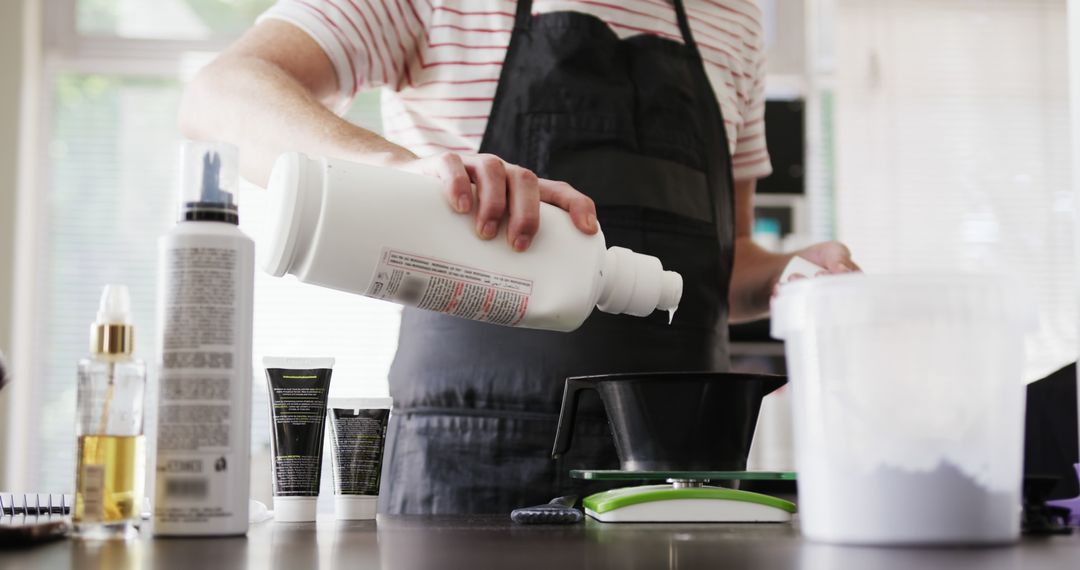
205, 293
391, 235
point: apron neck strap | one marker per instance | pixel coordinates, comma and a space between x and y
524, 15
684, 27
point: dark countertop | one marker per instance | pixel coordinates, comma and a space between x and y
414, 542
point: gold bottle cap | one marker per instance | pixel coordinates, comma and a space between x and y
112, 339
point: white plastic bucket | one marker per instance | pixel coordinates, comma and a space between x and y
908, 404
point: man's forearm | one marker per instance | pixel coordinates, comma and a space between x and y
752, 280
255, 105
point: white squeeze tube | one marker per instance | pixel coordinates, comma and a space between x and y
205, 295
392, 235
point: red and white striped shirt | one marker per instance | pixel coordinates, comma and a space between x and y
439, 60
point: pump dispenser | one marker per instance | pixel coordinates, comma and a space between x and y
112, 332
109, 478
391, 235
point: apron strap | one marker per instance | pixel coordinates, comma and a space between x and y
524, 15
684, 27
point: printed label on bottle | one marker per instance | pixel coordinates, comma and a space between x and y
195, 411
359, 437
93, 493
450, 288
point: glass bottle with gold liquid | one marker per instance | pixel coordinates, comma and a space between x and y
111, 471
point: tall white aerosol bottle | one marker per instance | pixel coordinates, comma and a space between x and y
391, 235
205, 287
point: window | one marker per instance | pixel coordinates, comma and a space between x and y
112, 79
953, 148
167, 19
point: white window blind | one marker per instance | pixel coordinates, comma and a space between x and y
953, 147
108, 175
166, 19
107, 197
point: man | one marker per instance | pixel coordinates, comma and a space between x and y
644, 115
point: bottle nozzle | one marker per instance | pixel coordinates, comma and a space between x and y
670, 291
115, 306
209, 180
636, 284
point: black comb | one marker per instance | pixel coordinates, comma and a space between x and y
559, 511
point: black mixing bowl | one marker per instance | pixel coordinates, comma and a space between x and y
673, 421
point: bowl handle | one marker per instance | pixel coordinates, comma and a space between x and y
568, 413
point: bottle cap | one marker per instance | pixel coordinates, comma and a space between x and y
276, 239
209, 182
355, 507
295, 509
636, 284
111, 332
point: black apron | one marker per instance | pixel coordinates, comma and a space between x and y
634, 124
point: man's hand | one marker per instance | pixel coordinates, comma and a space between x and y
503, 190
756, 274
832, 256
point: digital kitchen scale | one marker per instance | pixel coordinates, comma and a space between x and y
685, 497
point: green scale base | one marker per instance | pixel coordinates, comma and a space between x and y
685, 498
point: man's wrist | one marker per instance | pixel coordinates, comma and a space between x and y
389, 158
361, 145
